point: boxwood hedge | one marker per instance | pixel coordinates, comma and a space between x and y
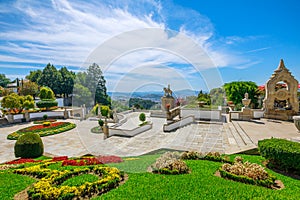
283, 153
46, 103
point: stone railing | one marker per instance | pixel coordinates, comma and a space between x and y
178, 124
130, 133
212, 115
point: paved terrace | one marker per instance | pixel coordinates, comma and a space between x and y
201, 136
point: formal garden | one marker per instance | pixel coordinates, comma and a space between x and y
158, 175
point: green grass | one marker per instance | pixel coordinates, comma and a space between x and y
80, 180
136, 166
11, 184
199, 184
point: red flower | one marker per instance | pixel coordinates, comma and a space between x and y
109, 159
22, 161
60, 158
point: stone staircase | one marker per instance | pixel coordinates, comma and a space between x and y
238, 140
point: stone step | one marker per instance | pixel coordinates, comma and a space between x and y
242, 133
237, 137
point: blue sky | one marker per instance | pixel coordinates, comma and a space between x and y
203, 44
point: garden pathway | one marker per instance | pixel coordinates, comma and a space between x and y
201, 136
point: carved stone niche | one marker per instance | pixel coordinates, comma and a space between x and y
281, 101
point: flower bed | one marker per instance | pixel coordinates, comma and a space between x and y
109, 159
53, 128
82, 162
50, 185
22, 161
42, 121
250, 173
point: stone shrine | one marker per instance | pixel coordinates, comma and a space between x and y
281, 101
167, 101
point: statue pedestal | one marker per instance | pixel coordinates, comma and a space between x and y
167, 100
297, 122
246, 114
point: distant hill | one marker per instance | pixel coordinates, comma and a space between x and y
151, 95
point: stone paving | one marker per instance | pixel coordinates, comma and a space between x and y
201, 136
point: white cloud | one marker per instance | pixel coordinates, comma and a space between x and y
68, 33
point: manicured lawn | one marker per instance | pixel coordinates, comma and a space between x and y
11, 184
199, 184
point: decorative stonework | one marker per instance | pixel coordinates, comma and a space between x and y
281, 103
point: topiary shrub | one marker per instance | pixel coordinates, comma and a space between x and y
169, 163
283, 154
46, 103
29, 145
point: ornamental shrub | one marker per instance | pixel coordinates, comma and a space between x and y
282, 153
169, 163
46, 103
100, 122
142, 117
29, 145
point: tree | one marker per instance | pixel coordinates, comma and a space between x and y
34, 76
93, 76
235, 91
82, 95
17, 103
3, 80
141, 103
142, 117
204, 97
93, 79
67, 81
217, 96
51, 78
29, 88
101, 96
46, 93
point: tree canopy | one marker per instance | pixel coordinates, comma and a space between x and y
235, 91
217, 96
4, 80
17, 103
29, 88
46, 93
94, 81
204, 97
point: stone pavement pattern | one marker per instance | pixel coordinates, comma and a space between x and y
203, 136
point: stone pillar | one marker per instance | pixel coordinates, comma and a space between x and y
297, 122
10, 118
105, 130
26, 116
66, 114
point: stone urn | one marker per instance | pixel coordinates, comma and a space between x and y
297, 122
246, 101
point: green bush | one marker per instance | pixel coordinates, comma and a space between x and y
282, 153
100, 122
29, 145
46, 103
142, 117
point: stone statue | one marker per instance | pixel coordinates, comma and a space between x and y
168, 91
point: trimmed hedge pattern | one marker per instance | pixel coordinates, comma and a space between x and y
244, 179
46, 103
283, 153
